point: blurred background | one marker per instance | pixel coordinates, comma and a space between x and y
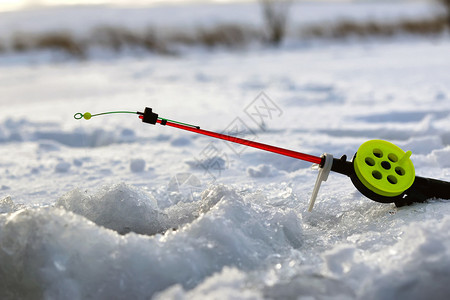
81, 29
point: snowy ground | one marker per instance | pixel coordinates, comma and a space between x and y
209, 219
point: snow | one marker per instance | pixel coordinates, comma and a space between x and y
113, 208
262, 171
137, 165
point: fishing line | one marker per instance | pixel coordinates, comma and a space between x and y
88, 115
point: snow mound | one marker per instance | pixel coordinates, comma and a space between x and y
120, 207
53, 253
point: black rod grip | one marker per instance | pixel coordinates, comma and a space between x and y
431, 188
421, 190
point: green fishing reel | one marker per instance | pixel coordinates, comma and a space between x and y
384, 168
385, 173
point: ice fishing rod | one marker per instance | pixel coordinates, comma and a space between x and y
380, 170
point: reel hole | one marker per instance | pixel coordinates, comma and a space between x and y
386, 165
400, 171
392, 157
392, 179
370, 161
377, 175
378, 153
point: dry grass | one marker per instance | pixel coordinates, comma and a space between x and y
425, 27
230, 36
117, 39
60, 41
112, 38
22, 42
223, 35
152, 42
446, 6
227, 35
346, 29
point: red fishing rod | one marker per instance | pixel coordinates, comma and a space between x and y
379, 170
282, 151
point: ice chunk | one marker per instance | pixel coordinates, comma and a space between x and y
214, 194
6, 205
183, 187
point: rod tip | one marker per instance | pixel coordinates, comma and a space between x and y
79, 116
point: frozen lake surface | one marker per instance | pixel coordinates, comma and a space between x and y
113, 208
